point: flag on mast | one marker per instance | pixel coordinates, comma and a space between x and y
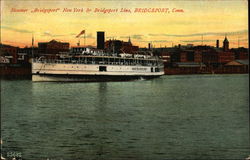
81, 33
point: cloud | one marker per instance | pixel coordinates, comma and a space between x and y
156, 41
156, 34
89, 36
16, 30
191, 41
47, 33
13, 42
199, 40
136, 36
245, 39
124, 36
241, 32
109, 37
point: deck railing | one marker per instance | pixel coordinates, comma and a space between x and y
110, 61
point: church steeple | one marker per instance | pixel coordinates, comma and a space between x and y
225, 44
129, 41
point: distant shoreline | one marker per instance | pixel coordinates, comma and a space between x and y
24, 72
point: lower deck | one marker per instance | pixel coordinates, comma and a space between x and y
92, 69
92, 72
85, 78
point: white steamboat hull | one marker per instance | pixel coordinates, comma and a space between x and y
92, 72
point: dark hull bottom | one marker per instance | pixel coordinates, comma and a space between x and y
87, 78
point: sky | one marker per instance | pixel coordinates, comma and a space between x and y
185, 22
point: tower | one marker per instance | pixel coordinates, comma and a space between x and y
100, 40
129, 40
225, 44
217, 43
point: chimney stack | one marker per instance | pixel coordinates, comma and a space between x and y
100, 40
149, 45
217, 43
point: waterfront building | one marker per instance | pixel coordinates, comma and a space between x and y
240, 53
118, 46
9, 52
237, 66
53, 47
29, 51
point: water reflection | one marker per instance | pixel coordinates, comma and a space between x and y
101, 119
102, 94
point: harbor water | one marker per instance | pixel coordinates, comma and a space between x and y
171, 117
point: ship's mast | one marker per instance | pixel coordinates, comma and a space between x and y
85, 38
238, 42
113, 45
202, 40
32, 52
78, 44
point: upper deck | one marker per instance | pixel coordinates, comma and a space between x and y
102, 60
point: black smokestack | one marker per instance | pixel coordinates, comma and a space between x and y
149, 46
100, 40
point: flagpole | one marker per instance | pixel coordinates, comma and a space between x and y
32, 52
85, 38
78, 43
202, 40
